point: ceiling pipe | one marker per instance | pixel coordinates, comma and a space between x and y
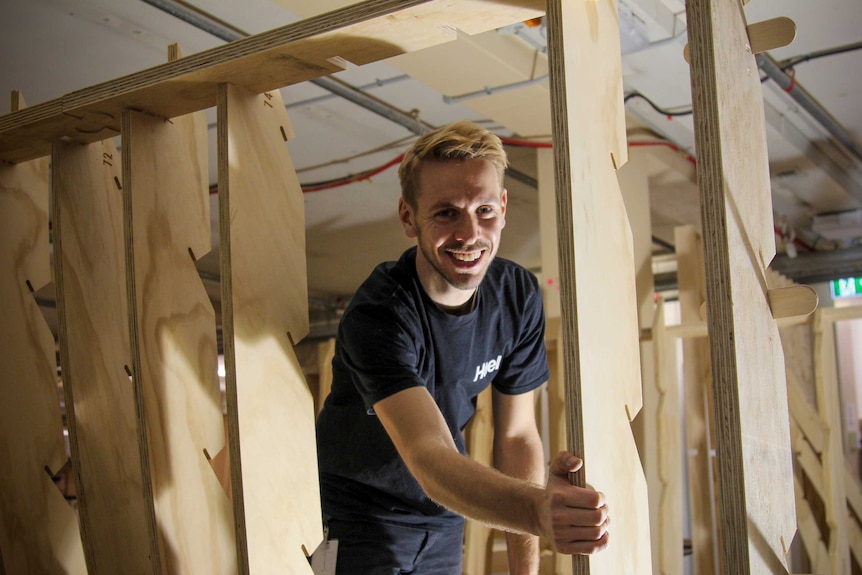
808, 103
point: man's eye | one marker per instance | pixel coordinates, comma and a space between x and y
445, 213
487, 211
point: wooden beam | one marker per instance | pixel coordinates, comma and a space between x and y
598, 299
699, 412
38, 529
173, 338
754, 456
117, 523
361, 33
270, 409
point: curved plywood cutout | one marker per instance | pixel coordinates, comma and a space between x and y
597, 271
265, 311
173, 336
89, 269
38, 529
752, 429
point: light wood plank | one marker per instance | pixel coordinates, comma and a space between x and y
754, 457
117, 520
792, 301
598, 299
265, 311
805, 415
361, 33
832, 457
809, 533
173, 337
700, 434
38, 530
479, 538
669, 437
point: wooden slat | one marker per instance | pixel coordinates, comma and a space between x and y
698, 405
101, 412
669, 437
829, 407
754, 458
809, 533
173, 337
792, 301
265, 311
479, 538
361, 33
805, 415
853, 489
38, 529
598, 299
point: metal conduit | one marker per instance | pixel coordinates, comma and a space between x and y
808, 103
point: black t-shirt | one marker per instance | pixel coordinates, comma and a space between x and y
393, 337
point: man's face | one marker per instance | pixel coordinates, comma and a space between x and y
460, 212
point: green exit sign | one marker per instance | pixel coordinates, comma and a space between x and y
847, 287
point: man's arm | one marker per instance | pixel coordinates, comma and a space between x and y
573, 519
518, 452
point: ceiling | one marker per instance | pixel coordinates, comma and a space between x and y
52, 47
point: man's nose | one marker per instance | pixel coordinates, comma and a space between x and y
468, 229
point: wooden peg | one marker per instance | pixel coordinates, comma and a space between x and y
174, 52
764, 36
16, 101
792, 301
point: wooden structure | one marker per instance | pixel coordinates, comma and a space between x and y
179, 520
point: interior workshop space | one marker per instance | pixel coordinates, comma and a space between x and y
191, 192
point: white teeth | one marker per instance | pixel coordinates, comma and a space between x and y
467, 257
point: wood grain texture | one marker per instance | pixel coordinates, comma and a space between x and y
271, 411
479, 538
89, 270
173, 338
699, 412
361, 33
669, 416
38, 529
752, 430
598, 298
829, 408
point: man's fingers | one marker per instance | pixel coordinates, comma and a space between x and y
565, 463
583, 540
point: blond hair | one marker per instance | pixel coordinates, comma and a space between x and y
459, 140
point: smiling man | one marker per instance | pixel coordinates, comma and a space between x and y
420, 339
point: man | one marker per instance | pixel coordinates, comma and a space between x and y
420, 339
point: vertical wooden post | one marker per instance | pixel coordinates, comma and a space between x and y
479, 538
38, 529
705, 537
752, 429
117, 524
832, 458
173, 337
265, 312
601, 355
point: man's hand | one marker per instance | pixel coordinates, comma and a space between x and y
574, 519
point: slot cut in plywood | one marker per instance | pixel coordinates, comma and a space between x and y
757, 508
598, 300
38, 529
173, 337
271, 411
101, 412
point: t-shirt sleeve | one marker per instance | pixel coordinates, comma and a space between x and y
379, 351
526, 367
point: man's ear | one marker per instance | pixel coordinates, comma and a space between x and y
504, 199
405, 214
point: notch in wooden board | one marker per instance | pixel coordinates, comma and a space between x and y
764, 36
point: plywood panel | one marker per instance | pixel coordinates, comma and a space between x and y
101, 411
362, 33
598, 299
38, 529
752, 429
173, 337
478, 537
668, 541
698, 404
265, 311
